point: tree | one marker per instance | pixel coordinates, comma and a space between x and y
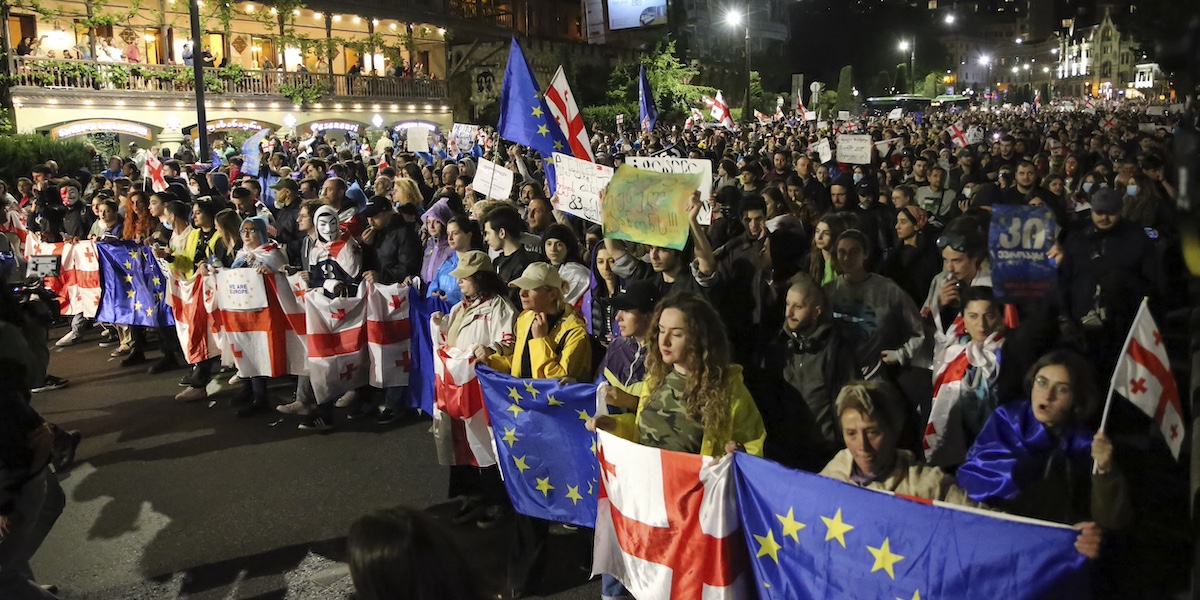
933, 85
881, 85
670, 78
845, 89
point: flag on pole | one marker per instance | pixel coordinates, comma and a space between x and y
957, 134
646, 104
762, 118
667, 524
719, 110
251, 153
813, 537
524, 114
153, 171
565, 111
546, 454
1143, 376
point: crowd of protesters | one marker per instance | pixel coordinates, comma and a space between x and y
803, 323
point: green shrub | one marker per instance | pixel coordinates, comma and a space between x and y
605, 115
20, 153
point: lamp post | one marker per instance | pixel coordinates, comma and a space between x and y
984, 59
198, 78
734, 18
911, 49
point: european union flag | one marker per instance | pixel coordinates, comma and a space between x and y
814, 537
421, 380
133, 289
648, 109
546, 454
524, 114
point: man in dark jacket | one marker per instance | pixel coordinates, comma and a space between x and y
502, 229
801, 370
395, 244
728, 272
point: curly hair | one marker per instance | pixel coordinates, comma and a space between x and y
706, 394
139, 224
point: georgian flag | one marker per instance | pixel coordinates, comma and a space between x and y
389, 335
260, 342
153, 170
337, 349
13, 221
761, 117
719, 110
1143, 376
944, 441
565, 111
461, 427
667, 524
957, 134
193, 323
78, 281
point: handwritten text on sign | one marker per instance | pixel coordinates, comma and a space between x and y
854, 149
578, 186
1018, 240
670, 164
649, 207
492, 180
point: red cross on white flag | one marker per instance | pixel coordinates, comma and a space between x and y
958, 135
154, 172
720, 110
561, 103
389, 335
667, 523
337, 348
1109, 122
1143, 376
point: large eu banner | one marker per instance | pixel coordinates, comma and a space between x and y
1018, 242
134, 290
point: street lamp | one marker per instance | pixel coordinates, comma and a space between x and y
734, 18
911, 49
949, 19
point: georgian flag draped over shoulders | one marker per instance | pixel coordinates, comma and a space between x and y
811, 537
260, 342
1143, 376
546, 454
389, 335
460, 423
337, 349
667, 523
945, 442
78, 282
191, 302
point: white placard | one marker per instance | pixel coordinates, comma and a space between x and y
854, 149
578, 184
896, 114
418, 139
241, 290
824, 151
492, 180
822, 125
464, 135
843, 115
810, 115
670, 164
1156, 111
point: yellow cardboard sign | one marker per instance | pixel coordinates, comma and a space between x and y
649, 207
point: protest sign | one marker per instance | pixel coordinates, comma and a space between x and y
824, 151
1018, 240
464, 135
1156, 111
843, 115
896, 114
649, 207
418, 139
578, 186
854, 149
670, 164
240, 289
822, 125
492, 180
810, 115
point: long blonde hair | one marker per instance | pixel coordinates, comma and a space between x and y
706, 395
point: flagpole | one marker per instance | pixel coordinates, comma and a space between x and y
1112, 385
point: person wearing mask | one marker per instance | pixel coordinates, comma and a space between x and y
800, 370
563, 251
913, 262
333, 193
1035, 457
551, 343
891, 329
502, 229
482, 318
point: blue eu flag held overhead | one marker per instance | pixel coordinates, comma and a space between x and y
814, 537
134, 290
646, 104
524, 116
546, 453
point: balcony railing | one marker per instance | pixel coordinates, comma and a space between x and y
89, 75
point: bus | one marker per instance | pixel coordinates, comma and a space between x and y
907, 102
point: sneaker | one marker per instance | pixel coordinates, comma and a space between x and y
52, 383
315, 423
235, 379
364, 411
294, 407
347, 399
108, 339
388, 416
121, 350
257, 406
164, 364
136, 357
67, 340
64, 457
494, 517
192, 394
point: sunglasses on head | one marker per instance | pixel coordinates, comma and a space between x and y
954, 241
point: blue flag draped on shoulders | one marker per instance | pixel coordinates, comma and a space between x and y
422, 378
133, 288
546, 454
648, 110
814, 537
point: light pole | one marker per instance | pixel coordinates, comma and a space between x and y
984, 59
734, 18
911, 49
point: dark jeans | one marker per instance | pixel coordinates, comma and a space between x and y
39, 504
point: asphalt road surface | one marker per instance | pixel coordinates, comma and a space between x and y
172, 500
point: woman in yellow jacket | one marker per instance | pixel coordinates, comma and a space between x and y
694, 399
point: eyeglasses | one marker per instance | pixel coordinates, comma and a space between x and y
1058, 389
249, 231
955, 241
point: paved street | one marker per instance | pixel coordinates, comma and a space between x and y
171, 500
